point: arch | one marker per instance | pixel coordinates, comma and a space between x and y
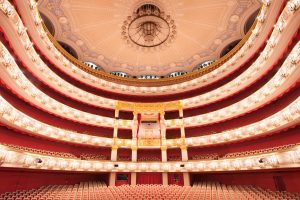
229, 47
178, 73
250, 21
121, 74
69, 49
93, 65
203, 64
48, 23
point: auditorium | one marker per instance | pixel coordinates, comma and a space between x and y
149, 99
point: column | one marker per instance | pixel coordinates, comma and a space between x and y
164, 159
133, 178
134, 147
186, 179
114, 149
163, 147
163, 137
165, 178
183, 147
133, 159
112, 179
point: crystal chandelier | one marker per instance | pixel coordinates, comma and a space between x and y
148, 28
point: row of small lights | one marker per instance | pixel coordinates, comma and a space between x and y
292, 61
195, 101
251, 72
186, 102
264, 161
51, 105
284, 118
151, 90
260, 97
63, 85
104, 121
26, 85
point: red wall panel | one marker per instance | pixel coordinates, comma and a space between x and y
291, 179
149, 178
12, 180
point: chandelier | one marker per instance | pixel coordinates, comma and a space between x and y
148, 28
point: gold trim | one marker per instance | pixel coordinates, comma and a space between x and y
149, 107
134, 148
183, 147
164, 148
114, 147
148, 142
151, 82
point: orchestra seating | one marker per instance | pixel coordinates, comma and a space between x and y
99, 190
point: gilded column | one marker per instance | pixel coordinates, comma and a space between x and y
134, 146
133, 159
114, 149
163, 147
183, 147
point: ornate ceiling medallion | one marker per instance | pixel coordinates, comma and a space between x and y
148, 28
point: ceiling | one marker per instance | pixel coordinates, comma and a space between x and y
93, 28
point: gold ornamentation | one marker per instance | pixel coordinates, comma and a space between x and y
134, 148
149, 142
149, 107
150, 82
183, 147
114, 147
163, 148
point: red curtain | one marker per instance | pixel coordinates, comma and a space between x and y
149, 178
139, 117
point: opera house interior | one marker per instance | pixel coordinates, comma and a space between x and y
149, 99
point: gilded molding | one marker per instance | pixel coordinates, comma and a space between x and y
150, 82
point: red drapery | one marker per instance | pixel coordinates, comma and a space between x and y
149, 178
139, 117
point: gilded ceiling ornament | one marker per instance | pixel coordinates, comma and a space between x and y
148, 28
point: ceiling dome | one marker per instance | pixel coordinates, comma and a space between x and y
148, 37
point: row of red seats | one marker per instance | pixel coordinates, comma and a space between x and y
98, 190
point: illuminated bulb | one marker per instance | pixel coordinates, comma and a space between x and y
266, 2
279, 26
132, 166
200, 166
86, 165
236, 164
74, 164
63, 164
109, 166
8, 9
248, 163
189, 166
97, 166
224, 164
121, 166
165, 167
213, 165
154, 167
293, 5
51, 162
143, 166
